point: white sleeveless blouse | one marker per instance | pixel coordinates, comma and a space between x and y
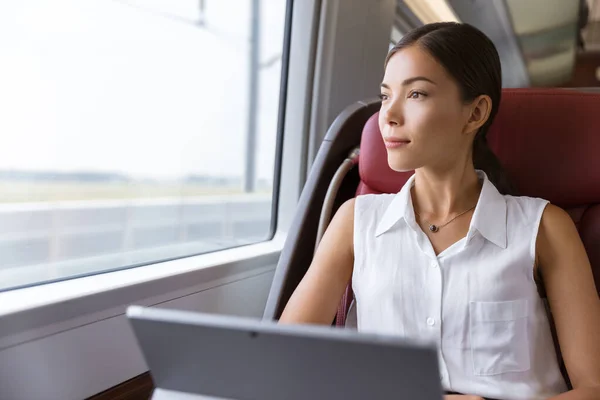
477, 300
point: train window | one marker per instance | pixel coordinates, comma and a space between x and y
134, 132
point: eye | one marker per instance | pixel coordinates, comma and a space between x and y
383, 97
416, 95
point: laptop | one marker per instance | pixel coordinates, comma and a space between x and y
195, 356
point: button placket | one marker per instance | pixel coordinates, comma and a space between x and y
434, 319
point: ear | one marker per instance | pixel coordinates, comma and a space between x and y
480, 110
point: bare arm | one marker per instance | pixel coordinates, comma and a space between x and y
575, 305
316, 298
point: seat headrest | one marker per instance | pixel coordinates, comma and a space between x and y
376, 176
546, 139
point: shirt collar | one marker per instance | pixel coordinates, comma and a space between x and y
400, 208
489, 218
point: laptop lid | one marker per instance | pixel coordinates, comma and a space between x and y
239, 358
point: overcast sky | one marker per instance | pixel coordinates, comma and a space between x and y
133, 86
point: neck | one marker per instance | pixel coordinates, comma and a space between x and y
442, 194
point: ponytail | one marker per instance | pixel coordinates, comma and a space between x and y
485, 160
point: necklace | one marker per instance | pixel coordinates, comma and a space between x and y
435, 228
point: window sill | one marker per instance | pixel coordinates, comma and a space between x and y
38, 311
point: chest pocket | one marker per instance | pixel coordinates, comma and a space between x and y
498, 335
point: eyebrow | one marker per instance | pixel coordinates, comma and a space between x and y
409, 81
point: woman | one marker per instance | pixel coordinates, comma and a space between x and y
454, 257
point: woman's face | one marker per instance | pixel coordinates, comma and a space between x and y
422, 119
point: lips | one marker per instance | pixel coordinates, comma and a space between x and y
394, 143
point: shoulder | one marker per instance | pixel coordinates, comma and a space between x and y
523, 201
556, 226
524, 209
343, 220
346, 210
557, 234
375, 198
369, 209
373, 202
362, 203
556, 216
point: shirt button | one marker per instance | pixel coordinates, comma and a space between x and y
430, 321
434, 265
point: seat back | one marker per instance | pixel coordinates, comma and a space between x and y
546, 140
343, 136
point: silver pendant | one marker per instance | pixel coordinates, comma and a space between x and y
433, 228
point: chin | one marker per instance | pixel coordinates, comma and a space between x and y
399, 164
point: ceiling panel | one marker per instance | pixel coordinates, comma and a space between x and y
531, 16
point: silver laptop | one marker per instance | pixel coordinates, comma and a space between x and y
201, 356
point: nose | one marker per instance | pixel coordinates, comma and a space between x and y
392, 115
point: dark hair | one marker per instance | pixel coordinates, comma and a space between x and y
470, 57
